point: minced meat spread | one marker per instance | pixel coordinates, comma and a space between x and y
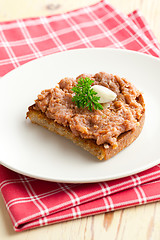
104, 126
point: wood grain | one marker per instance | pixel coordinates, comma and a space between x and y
140, 223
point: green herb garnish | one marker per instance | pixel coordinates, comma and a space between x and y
85, 96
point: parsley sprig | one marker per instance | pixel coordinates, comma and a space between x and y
85, 96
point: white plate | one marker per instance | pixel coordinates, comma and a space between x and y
34, 151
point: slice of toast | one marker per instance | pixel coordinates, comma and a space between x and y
55, 111
104, 151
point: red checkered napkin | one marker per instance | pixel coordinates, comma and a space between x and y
31, 202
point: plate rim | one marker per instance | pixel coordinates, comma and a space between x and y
82, 49
74, 181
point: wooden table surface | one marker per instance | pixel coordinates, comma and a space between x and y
140, 223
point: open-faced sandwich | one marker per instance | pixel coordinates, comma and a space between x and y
102, 113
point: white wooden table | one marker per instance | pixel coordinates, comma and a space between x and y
140, 223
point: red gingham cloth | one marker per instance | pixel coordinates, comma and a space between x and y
31, 202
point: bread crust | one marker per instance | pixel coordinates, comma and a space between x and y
100, 151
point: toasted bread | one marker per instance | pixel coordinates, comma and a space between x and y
104, 151
103, 132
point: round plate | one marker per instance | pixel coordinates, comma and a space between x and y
34, 151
